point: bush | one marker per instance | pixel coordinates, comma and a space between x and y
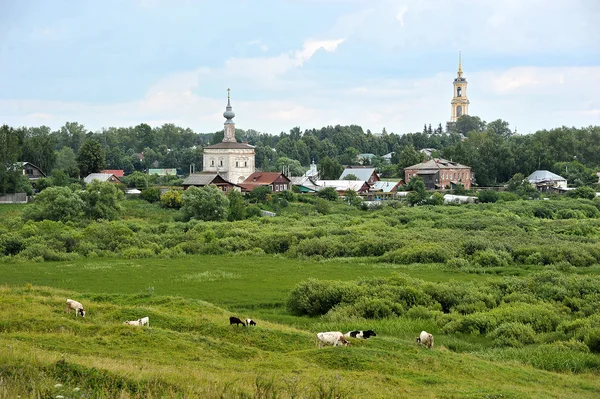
314, 297
582, 192
151, 194
322, 206
252, 211
55, 203
515, 335
328, 193
171, 199
488, 196
490, 258
592, 340
207, 203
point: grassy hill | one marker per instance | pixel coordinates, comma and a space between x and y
190, 350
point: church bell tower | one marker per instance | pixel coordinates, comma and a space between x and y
460, 102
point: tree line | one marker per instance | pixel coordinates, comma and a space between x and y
491, 149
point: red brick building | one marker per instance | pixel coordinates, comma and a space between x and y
440, 174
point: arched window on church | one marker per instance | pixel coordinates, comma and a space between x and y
459, 111
459, 92
221, 163
212, 162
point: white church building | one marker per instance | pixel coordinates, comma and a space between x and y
233, 161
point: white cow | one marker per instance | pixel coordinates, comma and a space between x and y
133, 323
144, 321
334, 338
425, 339
78, 307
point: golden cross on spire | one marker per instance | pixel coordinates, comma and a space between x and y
228, 90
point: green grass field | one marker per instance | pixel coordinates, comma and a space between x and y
191, 351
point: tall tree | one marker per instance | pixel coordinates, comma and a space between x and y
38, 148
90, 157
330, 170
66, 161
9, 155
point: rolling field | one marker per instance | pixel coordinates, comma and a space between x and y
191, 351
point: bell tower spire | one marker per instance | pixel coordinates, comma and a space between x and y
460, 102
229, 130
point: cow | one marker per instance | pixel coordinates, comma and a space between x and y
334, 338
144, 321
132, 323
78, 307
361, 334
250, 322
234, 320
425, 339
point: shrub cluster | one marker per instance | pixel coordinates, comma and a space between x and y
510, 311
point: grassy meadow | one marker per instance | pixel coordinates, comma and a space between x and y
495, 260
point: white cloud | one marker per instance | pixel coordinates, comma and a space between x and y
401, 13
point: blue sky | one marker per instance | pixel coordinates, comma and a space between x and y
307, 63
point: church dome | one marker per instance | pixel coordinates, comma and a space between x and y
228, 114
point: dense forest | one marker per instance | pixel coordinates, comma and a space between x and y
493, 151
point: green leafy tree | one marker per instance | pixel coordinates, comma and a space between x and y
352, 198
101, 200
291, 165
407, 156
328, 193
137, 180
349, 156
38, 148
9, 155
418, 194
55, 203
66, 160
206, 203
237, 206
582, 192
467, 123
488, 196
90, 157
259, 194
171, 199
350, 176
520, 185
72, 135
322, 206
151, 194
330, 170
59, 178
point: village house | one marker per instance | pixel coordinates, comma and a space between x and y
117, 172
439, 173
545, 180
358, 186
206, 179
102, 177
363, 174
276, 181
30, 170
385, 189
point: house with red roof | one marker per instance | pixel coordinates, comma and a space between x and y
276, 181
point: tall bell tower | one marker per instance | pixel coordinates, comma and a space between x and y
460, 102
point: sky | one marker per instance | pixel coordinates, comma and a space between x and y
306, 63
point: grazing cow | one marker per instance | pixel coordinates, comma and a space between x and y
250, 322
425, 339
334, 338
234, 320
133, 323
144, 321
360, 334
78, 307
